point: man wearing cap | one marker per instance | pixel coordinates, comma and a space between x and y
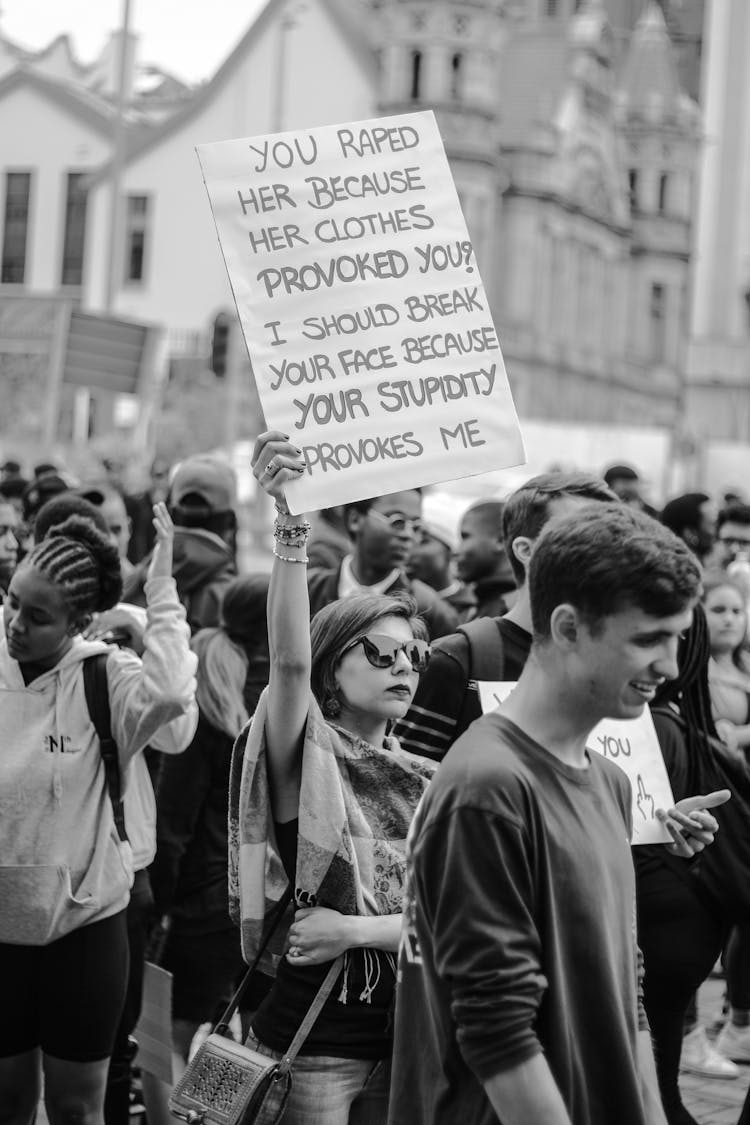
202, 501
430, 561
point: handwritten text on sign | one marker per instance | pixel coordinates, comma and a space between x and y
362, 307
633, 746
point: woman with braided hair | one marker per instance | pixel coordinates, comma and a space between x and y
687, 908
65, 871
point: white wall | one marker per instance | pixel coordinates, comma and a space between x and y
186, 281
68, 145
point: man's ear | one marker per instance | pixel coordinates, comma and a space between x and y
565, 625
522, 547
353, 521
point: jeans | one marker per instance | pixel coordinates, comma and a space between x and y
334, 1091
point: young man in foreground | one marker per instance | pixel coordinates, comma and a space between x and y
519, 994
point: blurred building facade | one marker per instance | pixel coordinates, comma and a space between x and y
718, 360
574, 143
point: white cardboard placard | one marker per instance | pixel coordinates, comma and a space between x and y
632, 745
364, 315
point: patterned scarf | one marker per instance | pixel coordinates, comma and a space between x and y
357, 802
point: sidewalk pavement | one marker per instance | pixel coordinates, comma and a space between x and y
714, 1101
711, 1101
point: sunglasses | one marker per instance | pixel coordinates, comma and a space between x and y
382, 651
398, 523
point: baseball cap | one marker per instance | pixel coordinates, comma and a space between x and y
441, 530
207, 480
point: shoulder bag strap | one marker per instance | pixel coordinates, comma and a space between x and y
222, 1027
485, 648
96, 686
312, 1014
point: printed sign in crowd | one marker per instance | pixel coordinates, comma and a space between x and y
633, 745
365, 318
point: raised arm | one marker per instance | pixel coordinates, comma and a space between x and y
156, 693
275, 462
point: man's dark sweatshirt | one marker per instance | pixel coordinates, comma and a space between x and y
519, 918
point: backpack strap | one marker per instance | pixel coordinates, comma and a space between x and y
485, 648
97, 699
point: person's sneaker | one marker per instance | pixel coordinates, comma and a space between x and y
699, 1056
734, 1042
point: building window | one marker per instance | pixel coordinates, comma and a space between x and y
416, 75
658, 322
456, 83
135, 237
16, 227
75, 229
663, 188
633, 190
551, 7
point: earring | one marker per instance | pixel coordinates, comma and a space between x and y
331, 706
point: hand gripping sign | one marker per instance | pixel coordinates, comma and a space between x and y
364, 315
633, 746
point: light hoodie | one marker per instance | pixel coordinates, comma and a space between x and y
62, 865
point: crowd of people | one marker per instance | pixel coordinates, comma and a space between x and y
192, 752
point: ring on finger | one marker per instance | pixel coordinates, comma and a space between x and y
272, 467
295, 951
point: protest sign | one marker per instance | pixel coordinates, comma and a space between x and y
365, 318
154, 1031
633, 746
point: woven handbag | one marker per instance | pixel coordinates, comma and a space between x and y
226, 1083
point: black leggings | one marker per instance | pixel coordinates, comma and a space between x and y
737, 965
65, 997
680, 939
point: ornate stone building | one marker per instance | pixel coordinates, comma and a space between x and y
575, 167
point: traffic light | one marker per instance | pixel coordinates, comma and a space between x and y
220, 344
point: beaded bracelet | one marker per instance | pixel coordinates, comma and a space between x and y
283, 532
289, 558
291, 540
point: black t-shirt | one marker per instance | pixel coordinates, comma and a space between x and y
354, 1029
447, 698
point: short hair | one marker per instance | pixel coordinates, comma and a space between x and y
606, 558
57, 510
338, 624
733, 513
529, 508
13, 488
684, 511
244, 609
82, 561
620, 472
489, 514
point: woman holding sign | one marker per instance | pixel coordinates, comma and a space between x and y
328, 791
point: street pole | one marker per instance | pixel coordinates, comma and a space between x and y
118, 148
